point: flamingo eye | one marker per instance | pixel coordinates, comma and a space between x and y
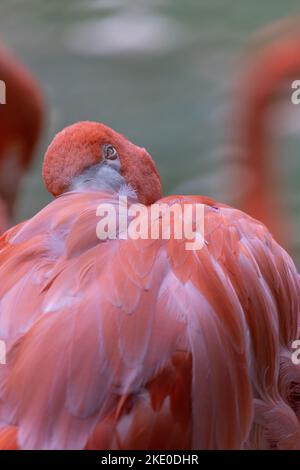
110, 152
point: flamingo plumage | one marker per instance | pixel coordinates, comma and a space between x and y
140, 343
269, 68
21, 118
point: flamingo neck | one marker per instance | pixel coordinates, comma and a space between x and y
104, 178
260, 196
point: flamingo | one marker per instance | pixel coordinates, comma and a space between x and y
21, 119
270, 68
141, 343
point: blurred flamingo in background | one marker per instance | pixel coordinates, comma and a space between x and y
269, 70
140, 343
20, 126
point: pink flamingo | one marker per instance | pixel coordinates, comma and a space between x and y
21, 119
270, 67
141, 343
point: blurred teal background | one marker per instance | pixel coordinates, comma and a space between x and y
159, 71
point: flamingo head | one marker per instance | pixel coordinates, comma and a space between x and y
90, 156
